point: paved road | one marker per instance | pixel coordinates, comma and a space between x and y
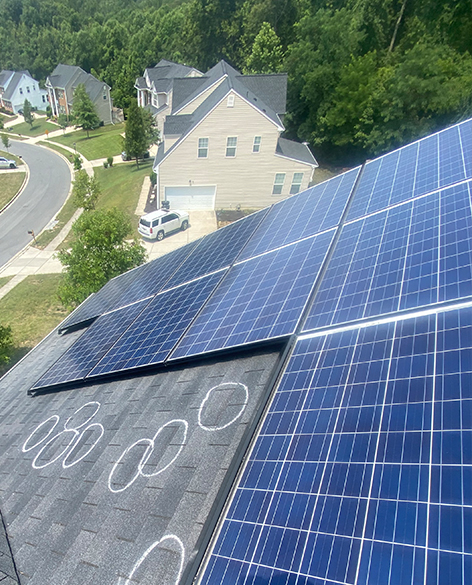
43, 196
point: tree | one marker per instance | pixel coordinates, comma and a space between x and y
136, 139
267, 54
6, 344
98, 253
63, 122
150, 127
6, 141
86, 190
28, 113
83, 110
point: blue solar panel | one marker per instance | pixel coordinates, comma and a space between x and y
408, 256
315, 210
362, 470
259, 299
153, 335
88, 350
132, 286
417, 169
218, 250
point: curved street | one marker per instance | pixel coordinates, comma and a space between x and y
43, 196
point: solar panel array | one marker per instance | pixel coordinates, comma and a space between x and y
361, 471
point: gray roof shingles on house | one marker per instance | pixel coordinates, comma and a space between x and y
5, 75
90, 515
295, 150
68, 77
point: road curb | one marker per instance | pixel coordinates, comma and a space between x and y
21, 189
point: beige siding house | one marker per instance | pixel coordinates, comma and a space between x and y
221, 146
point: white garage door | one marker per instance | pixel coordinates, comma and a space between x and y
191, 197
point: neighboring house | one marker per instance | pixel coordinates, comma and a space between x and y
62, 83
16, 86
221, 145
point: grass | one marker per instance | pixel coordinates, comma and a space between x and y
63, 217
9, 186
5, 280
103, 142
39, 127
32, 310
9, 155
324, 173
69, 155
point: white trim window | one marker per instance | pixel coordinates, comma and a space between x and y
203, 148
278, 184
296, 183
231, 144
256, 145
230, 101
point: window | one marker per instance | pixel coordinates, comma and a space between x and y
202, 147
44, 98
256, 147
21, 91
169, 217
230, 102
296, 183
278, 183
27, 88
231, 143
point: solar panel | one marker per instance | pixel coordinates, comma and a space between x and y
362, 470
408, 256
315, 210
132, 286
218, 249
153, 335
88, 350
436, 161
259, 299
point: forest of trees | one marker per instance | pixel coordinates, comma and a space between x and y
364, 75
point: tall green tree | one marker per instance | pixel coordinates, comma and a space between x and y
6, 343
84, 111
28, 113
86, 190
267, 54
6, 141
99, 252
136, 139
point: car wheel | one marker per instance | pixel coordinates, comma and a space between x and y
160, 235
184, 225
12, 166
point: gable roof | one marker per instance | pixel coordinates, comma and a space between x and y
318, 386
68, 77
295, 151
5, 76
13, 81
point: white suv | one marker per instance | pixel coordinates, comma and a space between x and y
157, 224
5, 163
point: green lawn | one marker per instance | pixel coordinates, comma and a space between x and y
32, 309
10, 184
121, 187
103, 142
5, 280
69, 155
63, 217
39, 127
11, 156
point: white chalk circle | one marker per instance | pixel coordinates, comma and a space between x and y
214, 407
77, 445
181, 444
149, 446
89, 417
62, 452
181, 551
55, 418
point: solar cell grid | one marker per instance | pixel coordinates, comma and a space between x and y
451, 161
153, 335
259, 299
218, 249
358, 473
90, 347
303, 215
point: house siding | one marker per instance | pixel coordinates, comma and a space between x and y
248, 178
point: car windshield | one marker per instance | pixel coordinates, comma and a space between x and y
145, 223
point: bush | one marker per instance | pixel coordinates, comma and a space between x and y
77, 162
110, 161
6, 344
105, 164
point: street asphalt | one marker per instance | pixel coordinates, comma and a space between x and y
43, 196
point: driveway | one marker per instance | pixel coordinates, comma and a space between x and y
43, 196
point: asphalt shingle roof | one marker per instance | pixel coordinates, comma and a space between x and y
295, 150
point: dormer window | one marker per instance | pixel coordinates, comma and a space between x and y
230, 102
